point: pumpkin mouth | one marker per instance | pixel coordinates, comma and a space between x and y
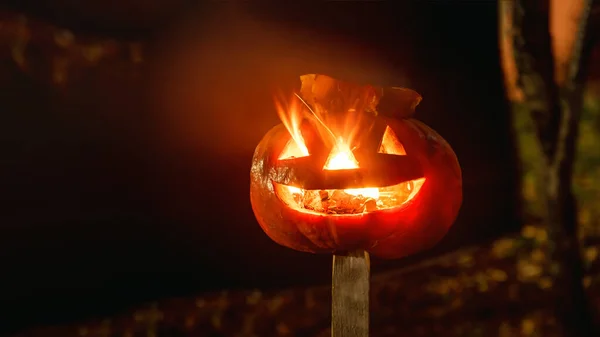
354, 201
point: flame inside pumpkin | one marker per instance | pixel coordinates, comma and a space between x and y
341, 157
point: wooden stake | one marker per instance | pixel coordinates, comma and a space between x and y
350, 295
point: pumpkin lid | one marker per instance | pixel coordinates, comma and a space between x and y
328, 95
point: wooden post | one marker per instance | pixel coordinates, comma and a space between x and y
350, 295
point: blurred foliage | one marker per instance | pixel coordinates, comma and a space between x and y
531, 160
586, 182
498, 289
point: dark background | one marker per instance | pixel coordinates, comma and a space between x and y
131, 183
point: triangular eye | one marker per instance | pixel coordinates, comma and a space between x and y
293, 150
390, 143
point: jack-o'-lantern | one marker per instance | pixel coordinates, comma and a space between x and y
341, 174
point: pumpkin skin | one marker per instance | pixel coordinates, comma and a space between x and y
389, 233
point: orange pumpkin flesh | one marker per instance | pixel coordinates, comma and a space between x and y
396, 193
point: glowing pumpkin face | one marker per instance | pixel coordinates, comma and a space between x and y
393, 189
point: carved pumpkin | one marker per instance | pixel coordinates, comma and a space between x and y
338, 176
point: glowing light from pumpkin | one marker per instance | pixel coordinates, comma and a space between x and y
291, 118
342, 158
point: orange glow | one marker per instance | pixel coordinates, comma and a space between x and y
292, 118
310, 201
341, 157
390, 144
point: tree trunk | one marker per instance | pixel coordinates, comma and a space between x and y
555, 112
